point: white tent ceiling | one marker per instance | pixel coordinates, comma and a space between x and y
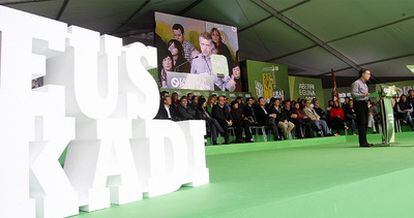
311, 36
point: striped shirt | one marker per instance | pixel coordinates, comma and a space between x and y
358, 90
188, 49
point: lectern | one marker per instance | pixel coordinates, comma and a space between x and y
387, 113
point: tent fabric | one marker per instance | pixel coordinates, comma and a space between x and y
375, 34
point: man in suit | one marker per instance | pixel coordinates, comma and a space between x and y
240, 123
248, 111
185, 112
264, 118
165, 111
222, 115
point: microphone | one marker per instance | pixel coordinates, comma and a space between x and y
373, 80
187, 61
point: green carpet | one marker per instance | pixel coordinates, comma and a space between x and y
322, 177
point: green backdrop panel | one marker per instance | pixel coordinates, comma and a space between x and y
267, 79
307, 88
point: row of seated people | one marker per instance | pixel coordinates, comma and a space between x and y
403, 111
305, 118
222, 113
403, 108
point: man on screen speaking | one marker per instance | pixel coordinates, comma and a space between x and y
202, 64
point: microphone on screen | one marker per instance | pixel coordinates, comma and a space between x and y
185, 62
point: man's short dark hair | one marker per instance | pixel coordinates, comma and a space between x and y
178, 27
163, 93
183, 97
362, 71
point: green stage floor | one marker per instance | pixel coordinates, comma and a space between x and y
323, 177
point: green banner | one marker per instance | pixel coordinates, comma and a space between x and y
267, 79
306, 88
402, 87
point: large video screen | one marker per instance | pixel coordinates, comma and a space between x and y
195, 54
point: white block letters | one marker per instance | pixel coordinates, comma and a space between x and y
98, 101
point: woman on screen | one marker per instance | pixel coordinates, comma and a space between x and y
180, 63
221, 48
167, 65
236, 75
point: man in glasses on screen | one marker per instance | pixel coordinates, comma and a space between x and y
201, 64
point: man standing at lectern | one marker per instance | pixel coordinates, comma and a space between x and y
360, 95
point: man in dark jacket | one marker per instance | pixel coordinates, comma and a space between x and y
240, 123
222, 115
248, 111
411, 99
165, 111
264, 118
185, 112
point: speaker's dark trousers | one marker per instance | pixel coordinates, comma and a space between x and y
361, 111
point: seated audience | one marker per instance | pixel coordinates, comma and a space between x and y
194, 102
373, 117
410, 99
293, 117
239, 123
212, 125
248, 111
211, 102
281, 118
319, 110
346, 102
304, 125
337, 117
350, 115
222, 115
328, 110
175, 101
405, 109
166, 112
185, 112
264, 118
315, 118
190, 98
240, 101
330, 105
228, 103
